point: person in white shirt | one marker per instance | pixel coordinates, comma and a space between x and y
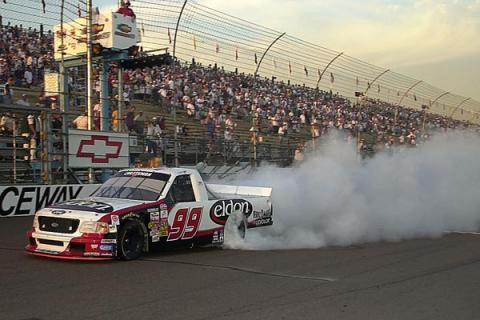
154, 134
28, 76
81, 122
24, 101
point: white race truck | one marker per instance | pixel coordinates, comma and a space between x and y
137, 209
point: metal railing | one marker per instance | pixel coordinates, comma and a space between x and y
41, 157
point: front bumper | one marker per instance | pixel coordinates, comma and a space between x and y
61, 246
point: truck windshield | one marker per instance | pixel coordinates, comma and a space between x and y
134, 185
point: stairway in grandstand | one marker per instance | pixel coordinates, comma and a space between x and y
10, 161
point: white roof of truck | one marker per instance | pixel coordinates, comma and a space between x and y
165, 170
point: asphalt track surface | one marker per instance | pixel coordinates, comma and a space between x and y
417, 279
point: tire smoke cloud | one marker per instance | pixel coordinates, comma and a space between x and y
335, 199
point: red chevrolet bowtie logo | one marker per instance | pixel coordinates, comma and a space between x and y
99, 149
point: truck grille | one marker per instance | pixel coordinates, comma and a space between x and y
58, 225
51, 242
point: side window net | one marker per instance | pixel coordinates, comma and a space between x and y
181, 190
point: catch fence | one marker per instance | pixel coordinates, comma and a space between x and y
194, 31
191, 30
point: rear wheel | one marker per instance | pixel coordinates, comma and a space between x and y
235, 230
131, 241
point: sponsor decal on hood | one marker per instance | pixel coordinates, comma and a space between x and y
84, 205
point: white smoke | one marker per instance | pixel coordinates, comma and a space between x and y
334, 198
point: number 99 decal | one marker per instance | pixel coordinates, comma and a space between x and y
185, 225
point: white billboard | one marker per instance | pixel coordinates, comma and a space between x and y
26, 200
74, 38
111, 30
51, 84
94, 149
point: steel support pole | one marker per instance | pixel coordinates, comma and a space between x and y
120, 101
46, 147
120, 98
14, 151
64, 99
408, 91
327, 66
91, 174
403, 97
439, 97
459, 105
49, 146
105, 111
176, 30
265, 52
374, 80
89, 66
175, 137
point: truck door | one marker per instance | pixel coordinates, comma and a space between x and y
185, 216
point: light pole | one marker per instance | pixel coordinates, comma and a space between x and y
120, 91
64, 101
91, 177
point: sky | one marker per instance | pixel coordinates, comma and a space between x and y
433, 40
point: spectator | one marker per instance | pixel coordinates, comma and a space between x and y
7, 93
139, 121
28, 76
125, 9
97, 115
7, 124
129, 119
81, 122
24, 101
114, 120
153, 137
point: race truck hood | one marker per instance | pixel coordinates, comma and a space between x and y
93, 208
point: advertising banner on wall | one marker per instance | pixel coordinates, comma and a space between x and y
26, 200
94, 149
51, 84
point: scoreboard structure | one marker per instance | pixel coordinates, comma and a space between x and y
110, 30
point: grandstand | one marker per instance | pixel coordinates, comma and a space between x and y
236, 93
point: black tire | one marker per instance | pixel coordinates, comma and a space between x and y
235, 229
131, 240
242, 229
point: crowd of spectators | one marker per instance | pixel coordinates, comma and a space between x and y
25, 56
218, 100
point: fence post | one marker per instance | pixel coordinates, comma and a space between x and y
376, 78
196, 150
328, 65
458, 106
403, 97
14, 148
176, 30
175, 141
265, 52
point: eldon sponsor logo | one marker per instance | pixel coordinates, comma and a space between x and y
222, 209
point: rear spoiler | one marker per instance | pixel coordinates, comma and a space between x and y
239, 190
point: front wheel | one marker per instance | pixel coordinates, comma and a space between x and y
235, 230
131, 241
